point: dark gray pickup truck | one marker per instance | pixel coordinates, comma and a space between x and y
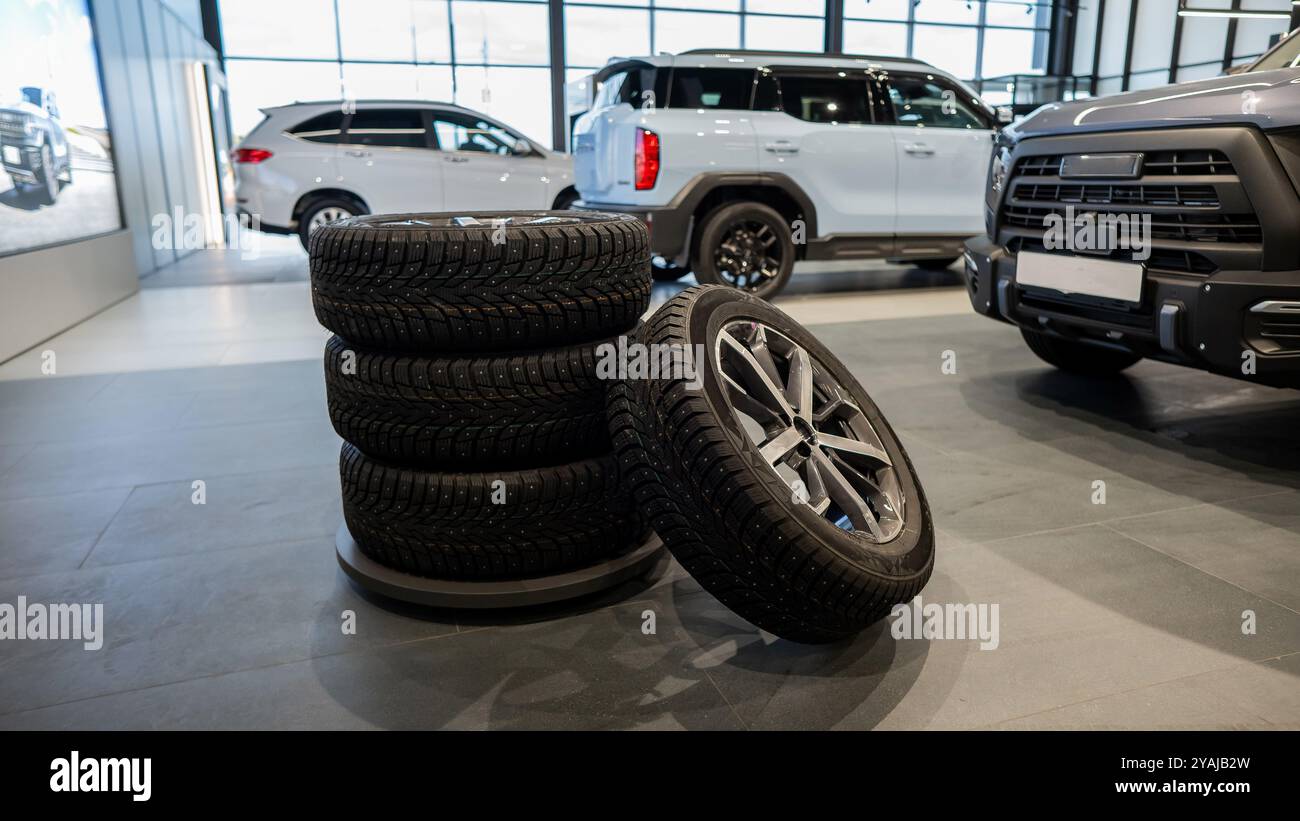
34, 147
1162, 223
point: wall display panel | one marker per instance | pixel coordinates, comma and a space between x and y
58, 183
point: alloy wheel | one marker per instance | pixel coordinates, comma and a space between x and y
326, 215
748, 255
808, 429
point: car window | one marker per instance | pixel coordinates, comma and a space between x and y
825, 99
635, 87
920, 101
323, 128
728, 88
391, 127
462, 132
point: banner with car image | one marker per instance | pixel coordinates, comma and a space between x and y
58, 182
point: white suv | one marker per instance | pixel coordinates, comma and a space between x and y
307, 164
743, 162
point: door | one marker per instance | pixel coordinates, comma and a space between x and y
485, 167
943, 146
820, 128
387, 158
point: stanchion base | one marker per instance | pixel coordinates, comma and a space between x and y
395, 584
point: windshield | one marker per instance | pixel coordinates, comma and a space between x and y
1285, 54
32, 95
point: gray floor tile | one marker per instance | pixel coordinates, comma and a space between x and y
174, 619
50, 391
94, 419
240, 510
1253, 543
52, 533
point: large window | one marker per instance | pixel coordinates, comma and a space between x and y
497, 60
972, 39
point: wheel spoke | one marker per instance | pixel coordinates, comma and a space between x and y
778, 447
799, 387
747, 404
760, 385
852, 447
762, 352
841, 490
818, 499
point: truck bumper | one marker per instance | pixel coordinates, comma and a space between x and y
1229, 323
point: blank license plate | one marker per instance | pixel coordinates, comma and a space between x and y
11, 155
1080, 275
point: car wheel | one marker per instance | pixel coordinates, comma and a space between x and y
483, 281
49, 178
769, 472
491, 525
66, 177
510, 410
934, 264
666, 271
746, 245
323, 212
1078, 357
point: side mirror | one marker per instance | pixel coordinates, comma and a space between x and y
523, 148
1005, 114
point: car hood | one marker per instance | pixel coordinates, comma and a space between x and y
1266, 99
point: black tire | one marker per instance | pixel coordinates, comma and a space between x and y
423, 282
47, 178
667, 272
714, 232
1078, 357
934, 264
446, 525
314, 208
66, 179
508, 410
729, 518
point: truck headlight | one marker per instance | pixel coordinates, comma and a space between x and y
998, 171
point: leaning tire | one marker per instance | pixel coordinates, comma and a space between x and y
735, 522
468, 282
492, 525
487, 411
1078, 357
746, 245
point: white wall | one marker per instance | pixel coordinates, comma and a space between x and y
1202, 45
145, 48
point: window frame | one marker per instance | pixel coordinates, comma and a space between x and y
877, 106
434, 114
989, 121
430, 142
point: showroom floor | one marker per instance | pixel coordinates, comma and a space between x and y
229, 614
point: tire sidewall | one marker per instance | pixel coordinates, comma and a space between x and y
718, 221
907, 554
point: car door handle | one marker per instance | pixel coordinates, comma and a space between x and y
358, 153
919, 150
781, 147
454, 158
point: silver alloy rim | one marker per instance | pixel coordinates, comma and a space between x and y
808, 430
327, 215
748, 255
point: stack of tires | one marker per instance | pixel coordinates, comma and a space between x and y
463, 379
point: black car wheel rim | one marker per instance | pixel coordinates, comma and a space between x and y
808, 429
748, 255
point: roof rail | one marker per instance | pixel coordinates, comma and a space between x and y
834, 55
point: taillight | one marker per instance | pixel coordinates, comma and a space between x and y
647, 159
251, 155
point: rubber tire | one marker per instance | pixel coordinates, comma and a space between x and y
49, 189
510, 410
1078, 357
304, 219
667, 273
934, 264
732, 522
392, 283
711, 233
445, 525
565, 200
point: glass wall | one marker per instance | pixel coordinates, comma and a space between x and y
490, 55
493, 55
973, 39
